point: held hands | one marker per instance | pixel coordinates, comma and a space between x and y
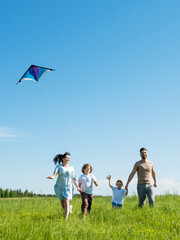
79, 189
126, 187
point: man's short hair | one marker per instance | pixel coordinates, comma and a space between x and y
142, 149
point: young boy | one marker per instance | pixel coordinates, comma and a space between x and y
118, 193
86, 181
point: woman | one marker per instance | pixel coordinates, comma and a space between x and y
64, 187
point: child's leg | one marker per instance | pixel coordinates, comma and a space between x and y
84, 205
90, 197
119, 205
113, 204
66, 208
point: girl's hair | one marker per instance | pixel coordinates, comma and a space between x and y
85, 166
59, 157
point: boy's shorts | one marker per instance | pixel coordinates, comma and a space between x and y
116, 205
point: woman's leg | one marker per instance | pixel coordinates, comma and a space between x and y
66, 208
62, 203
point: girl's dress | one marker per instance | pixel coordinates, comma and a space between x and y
64, 185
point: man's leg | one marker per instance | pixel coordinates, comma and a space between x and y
150, 194
141, 194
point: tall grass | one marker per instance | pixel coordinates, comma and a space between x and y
42, 218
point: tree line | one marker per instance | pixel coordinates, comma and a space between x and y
9, 193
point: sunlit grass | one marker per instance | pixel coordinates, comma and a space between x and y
42, 218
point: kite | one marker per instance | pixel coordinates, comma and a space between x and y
34, 73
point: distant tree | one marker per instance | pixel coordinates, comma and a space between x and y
6, 193
10, 193
19, 193
1, 193
26, 193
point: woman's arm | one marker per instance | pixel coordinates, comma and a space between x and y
53, 176
76, 184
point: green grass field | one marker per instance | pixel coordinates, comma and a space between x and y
42, 218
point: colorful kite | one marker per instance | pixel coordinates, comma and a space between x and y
34, 73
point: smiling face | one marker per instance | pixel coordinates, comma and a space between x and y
66, 159
119, 184
143, 154
87, 170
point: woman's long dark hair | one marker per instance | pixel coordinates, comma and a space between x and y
59, 158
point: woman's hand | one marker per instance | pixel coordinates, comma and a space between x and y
51, 177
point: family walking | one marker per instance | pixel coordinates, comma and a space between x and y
64, 187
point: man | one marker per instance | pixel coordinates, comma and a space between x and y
145, 171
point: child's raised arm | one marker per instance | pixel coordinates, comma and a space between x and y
109, 178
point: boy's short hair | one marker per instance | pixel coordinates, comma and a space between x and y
120, 182
142, 149
85, 166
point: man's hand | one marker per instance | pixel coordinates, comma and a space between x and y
155, 185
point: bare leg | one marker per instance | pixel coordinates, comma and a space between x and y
66, 208
62, 203
85, 206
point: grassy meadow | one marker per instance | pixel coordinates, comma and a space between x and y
42, 218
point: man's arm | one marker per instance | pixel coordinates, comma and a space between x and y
126, 192
131, 175
154, 177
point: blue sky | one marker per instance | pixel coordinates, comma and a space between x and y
116, 89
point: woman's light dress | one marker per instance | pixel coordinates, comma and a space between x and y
64, 186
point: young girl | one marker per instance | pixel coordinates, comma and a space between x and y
118, 193
64, 187
86, 181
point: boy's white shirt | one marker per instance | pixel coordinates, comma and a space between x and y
87, 182
118, 195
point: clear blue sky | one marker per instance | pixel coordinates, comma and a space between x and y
116, 89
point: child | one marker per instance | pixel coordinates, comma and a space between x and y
86, 181
118, 193
64, 187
